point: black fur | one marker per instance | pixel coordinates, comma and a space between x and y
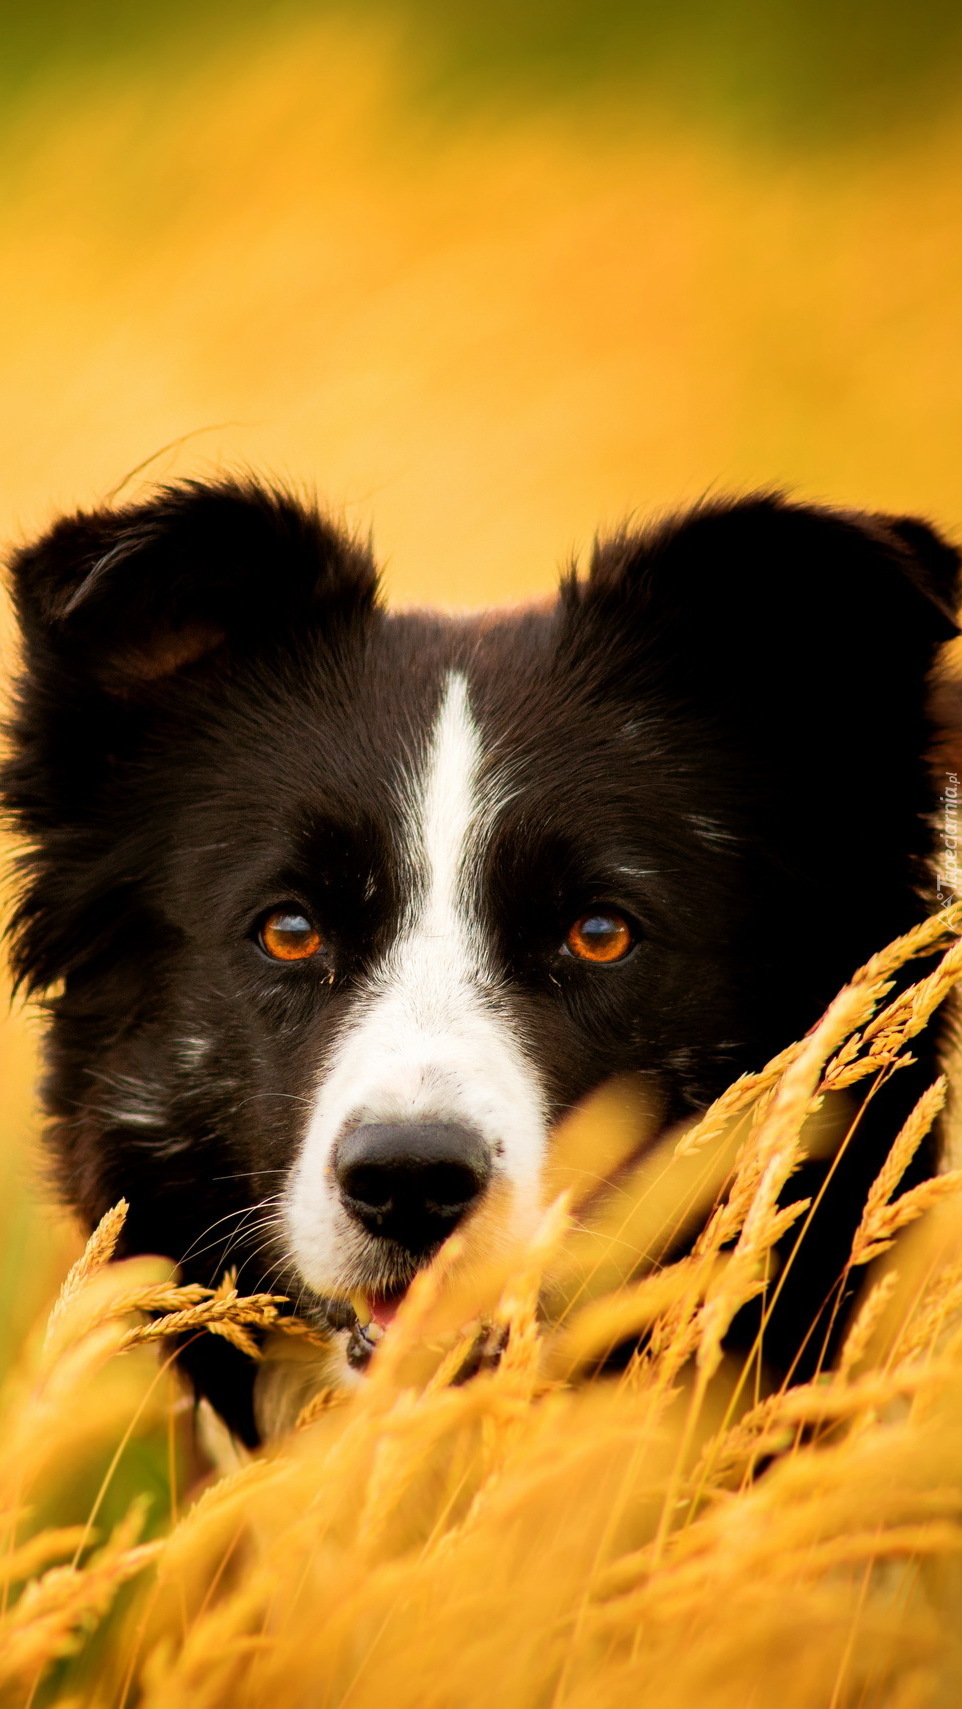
212, 717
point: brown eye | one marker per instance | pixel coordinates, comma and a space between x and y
289, 936
604, 936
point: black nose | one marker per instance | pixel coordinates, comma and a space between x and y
409, 1181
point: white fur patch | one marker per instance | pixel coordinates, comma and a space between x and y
429, 1040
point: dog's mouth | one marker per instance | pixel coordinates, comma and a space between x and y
366, 1317
378, 1309
374, 1314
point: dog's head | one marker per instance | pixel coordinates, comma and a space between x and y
341, 909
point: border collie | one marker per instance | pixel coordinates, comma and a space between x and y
336, 910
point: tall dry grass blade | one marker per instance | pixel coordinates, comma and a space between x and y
866, 1322
228, 1315
594, 1142
767, 1166
593, 1332
875, 974
933, 1314
98, 1251
920, 940
37, 1552
917, 1125
881, 1043
735, 1100
53, 1611
879, 1230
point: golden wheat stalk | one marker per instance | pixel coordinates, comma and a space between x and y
766, 1168
865, 1324
230, 1316
905, 1146
185, 1306
879, 1226
23, 1563
98, 1252
734, 1101
879, 1046
937, 1308
873, 977
50, 1615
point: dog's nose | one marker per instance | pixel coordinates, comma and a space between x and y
411, 1181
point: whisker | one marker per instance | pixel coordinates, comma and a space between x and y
292, 1097
268, 1227
195, 1250
248, 1174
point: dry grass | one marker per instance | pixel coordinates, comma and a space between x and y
537, 1534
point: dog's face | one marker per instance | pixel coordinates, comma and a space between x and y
426, 914
349, 907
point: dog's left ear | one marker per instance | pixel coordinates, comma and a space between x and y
123, 598
927, 561
819, 606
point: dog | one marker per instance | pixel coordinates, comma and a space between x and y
336, 910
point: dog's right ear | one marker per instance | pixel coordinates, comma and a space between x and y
123, 598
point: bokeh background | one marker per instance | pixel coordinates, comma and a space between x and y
487, 275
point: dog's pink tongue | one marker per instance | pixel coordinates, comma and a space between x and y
384, 1308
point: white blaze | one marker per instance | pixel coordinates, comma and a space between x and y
428, 1040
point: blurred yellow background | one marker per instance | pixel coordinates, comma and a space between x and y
486, 281
482, 334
